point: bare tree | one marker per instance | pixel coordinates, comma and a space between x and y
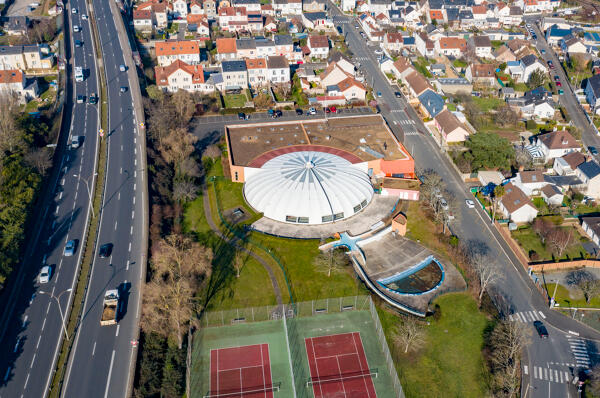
542, 228
184, 107
180, 266
499, 192
586, 282
10, 136
333, 261
505, 116
212, 151
184, 191
432, 185
40, 159
594, 385
507, 342
239, 261
560, 239
523, 158
487, 272
409, 334
285, 89
177, 146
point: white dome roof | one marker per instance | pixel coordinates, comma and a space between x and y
308, 187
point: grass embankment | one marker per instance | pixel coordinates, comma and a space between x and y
296, 255
451, 363
87, 241
530, 242
565, 298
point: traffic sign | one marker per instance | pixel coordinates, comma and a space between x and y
101, 132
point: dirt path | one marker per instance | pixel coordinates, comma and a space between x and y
234, 243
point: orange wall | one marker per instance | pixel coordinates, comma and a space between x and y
240, 173
389, 167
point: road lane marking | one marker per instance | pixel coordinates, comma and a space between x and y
48, 309
117, 333
127, 267
134, 200
115, 225
131, 230
134, 187
129, 246
38, 343
132, 214
32, 360
26, 380
25, 320
94, 349
17, 345
44, 324
526, 369
112, 360
542, 314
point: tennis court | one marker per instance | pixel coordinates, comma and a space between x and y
238, 372
320, 349
338, 367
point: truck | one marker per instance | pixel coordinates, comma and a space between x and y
78, 74
110, 306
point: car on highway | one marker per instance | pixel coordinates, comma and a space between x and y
299, 112
379, 94
75, 141
122, 68
78, 43
534, 36
560, 92
45, 274
93, 99
84, 17
593, 150
105, 250
123, 89
541, 329
311, 111
397, 94
80, 99
69, 248
73, 10
357, 27
470, 204
76, 28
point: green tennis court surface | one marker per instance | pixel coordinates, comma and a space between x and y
286, 339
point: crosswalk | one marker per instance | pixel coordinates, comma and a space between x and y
527, 316
579, 351
549, 374
406, 133
361, 58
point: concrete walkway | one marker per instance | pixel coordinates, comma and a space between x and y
234, 242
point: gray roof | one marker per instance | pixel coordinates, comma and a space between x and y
277, 62
589, 169
453, 81
481, 41
563, 181
315, 16
11, 50
432, 101
233, 66
528, 60
283, 40
236, 2
594, 83
245, 44
264, 43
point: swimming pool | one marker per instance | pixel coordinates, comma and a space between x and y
422, 278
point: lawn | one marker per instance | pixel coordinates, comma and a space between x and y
530, 241
420, 228
235, 100
451, 363
487, 104
585, 209
564, 299
459, 63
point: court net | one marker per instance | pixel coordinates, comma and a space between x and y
342, 377
243, 391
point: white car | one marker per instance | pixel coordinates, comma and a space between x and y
76, 28
311, 111
73, 10
470, 204
122, 68
378, 52
45, 274
84, 17
444, 204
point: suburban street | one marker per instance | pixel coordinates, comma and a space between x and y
102, 357
32, 335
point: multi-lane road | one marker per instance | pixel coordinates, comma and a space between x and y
33, 333
102, 357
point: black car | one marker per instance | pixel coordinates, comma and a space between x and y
278, 113
93, 99
242, 116
78, 43
541, 329
593, 150
299, 112
397, 94
105, 250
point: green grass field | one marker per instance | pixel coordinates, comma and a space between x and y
487, 104
451, 363
564, 299
235, 100
529, 241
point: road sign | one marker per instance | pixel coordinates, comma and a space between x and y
101, 132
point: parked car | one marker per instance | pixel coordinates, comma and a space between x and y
550, 64
534, 37
560, 92
379, 94
558, 84
593, 150
470, 204
45, 274
69, 248
543, 51
73, 10
242, 116
378, 52
84, 17
327, 110
556, 78
93, 99
444, 204
105, 250
278, 113
397, 94
333, 109
299, 112
311, 111
541, 329
78, 43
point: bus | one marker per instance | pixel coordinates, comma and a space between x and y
78, 74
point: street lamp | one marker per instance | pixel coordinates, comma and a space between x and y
57, 298
87, 185
552, 299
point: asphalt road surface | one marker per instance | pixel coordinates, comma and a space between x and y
102, 355
33, 334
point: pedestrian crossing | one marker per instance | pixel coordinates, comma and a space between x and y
406, 133
549, 374
361, 58
527, 316
579, 350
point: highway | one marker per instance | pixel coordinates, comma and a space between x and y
101, 358
515, 292
32, 335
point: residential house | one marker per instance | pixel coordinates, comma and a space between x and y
530, 182
379, 6
316, 20
352, 90
278, 69
567, 164
572, 45
182, 76
235, 74
257, 72
251, 6
514, 17
482, 46
270, 25
556, 144
246, 48
226, 48
516, 206
548, 22
529, 64
288, 7
169, 51
233, 19
24, 57
431, 103
210, 9
343, 62
393, 42
417, 84
424, 45
142, 20
284, 45
16, 25
552, 195
332, 75
450, 127
555, 34
503, 54
348, 5
592, 92
14, 82
591, 226
484, 74
313, 5
180, 8
196, 8
402, 68
453, 86
198, 23
451, 46
589, 173
319, 46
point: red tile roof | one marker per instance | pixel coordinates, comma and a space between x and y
226, 46
163, 73
176, 47
11, 76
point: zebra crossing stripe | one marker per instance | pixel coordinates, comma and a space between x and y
542, 314
525, 369
535, 372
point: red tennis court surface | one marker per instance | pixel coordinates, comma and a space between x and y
338, 367
241, 372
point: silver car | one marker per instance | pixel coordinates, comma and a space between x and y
45, 274
70, 248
